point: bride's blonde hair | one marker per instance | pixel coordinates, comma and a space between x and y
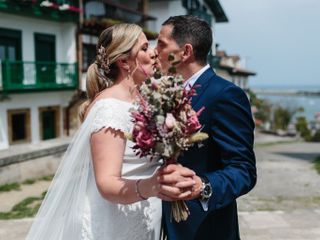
114, 43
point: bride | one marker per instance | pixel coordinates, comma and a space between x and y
102, 190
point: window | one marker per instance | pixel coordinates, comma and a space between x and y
10, 50
49, 122
45, 55
89, 55
19, 125
10, 44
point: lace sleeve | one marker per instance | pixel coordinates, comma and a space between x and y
111, 114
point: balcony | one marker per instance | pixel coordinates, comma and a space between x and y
55, 10
18, 76
132, 11
102, 14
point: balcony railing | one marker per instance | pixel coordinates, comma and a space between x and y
18, 76
56, 10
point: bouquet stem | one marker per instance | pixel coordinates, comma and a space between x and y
179, 211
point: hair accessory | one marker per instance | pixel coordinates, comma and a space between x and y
103, 60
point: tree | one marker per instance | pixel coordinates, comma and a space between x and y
316, 136
263, 107
281, 118
302, 128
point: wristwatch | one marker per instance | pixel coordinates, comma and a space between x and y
206, 189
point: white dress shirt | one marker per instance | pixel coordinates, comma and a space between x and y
190, 82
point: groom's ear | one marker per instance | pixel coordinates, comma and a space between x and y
188, 52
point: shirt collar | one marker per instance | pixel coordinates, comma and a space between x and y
191, 81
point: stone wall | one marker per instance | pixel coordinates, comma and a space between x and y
31, 165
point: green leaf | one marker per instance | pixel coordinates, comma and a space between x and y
170, 57
148, 81
157, 74
172, 70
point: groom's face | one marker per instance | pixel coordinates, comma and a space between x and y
165, 46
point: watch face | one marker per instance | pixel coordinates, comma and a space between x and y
207, 191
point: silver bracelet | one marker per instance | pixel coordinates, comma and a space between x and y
137, 190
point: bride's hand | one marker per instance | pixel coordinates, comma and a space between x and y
169, 183
148, 187
175, 182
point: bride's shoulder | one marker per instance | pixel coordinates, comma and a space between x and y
110, 103
110, 112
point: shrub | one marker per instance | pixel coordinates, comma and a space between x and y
316, 136
302, 128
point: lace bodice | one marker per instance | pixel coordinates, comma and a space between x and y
113, 113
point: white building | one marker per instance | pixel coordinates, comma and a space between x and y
233, 68
38, 74
209, 10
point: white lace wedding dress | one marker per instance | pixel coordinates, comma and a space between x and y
74, 209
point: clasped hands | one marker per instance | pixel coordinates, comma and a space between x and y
175, 182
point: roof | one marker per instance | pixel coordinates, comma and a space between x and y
236, 70
217, 10
231, 63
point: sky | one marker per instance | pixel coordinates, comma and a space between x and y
279, 39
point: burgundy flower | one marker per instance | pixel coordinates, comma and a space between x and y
144, 139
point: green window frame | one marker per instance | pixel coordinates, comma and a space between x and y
45, 58
12, 34
11, 38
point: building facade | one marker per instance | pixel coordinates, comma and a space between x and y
233, 68
46, 47
38, 74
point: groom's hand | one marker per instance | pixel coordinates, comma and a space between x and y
178, 183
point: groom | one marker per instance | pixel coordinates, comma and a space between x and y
225, 165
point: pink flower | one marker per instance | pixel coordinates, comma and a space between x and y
144, 139
192, 122
138, 117
154, 85
170, 121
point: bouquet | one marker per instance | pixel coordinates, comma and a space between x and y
165, 123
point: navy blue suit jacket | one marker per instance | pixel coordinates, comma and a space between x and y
226, 159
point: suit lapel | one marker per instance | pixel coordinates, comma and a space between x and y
201, 85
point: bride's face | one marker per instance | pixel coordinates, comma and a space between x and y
144, 59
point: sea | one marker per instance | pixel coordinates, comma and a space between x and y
288, 97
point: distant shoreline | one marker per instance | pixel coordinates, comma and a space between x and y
282, 92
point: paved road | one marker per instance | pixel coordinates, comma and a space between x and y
285, 204
298, 224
